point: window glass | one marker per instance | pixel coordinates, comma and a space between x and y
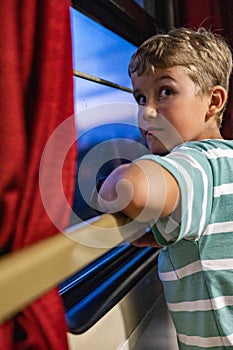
98, 51
106, 116
140, 3
89, 94
102, 127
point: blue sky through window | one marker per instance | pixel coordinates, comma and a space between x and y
98, 51
102, 113
102, 53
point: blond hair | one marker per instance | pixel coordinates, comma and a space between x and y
205, 56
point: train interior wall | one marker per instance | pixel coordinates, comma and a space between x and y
140, 321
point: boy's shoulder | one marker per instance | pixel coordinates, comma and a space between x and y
195, 154
204, 152
205, 145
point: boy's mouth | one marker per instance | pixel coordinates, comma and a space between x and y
152, 131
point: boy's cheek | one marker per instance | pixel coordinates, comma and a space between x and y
142, 131
141, 124
141, 112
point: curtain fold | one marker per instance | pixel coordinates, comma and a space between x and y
36, 94
216, 15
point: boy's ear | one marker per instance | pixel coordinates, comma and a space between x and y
218, 99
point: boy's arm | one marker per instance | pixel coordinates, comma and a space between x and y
142, 190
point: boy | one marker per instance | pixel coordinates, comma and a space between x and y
185, 187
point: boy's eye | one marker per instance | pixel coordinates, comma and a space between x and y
141, 100
165, 92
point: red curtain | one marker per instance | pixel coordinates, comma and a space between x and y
218, 16
36, 91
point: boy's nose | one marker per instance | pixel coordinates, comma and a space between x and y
148, 113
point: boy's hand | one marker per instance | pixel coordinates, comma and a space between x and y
146, 240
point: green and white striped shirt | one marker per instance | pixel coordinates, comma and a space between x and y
196, 262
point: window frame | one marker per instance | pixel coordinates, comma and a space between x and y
125, 18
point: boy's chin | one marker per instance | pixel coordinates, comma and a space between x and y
158, 149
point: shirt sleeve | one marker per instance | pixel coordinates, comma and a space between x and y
193, 173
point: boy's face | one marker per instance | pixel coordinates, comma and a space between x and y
170, 109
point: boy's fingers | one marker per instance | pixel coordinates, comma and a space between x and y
145, 241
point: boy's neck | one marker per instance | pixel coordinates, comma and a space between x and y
214, 135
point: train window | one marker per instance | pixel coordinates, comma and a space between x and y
107, 54
140, 2
105, 111
104, 104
